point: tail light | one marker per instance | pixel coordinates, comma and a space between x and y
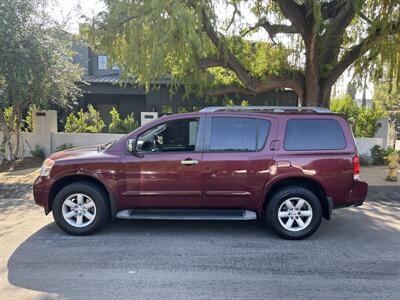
356, 167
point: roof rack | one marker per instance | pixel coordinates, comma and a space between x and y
315, 109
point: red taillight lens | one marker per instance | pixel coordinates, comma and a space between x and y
356, 166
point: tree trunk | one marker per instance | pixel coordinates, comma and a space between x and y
6, 142
325, 96
17, 129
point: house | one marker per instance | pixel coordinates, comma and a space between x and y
105, 90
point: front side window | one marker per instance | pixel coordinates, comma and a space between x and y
314, 134
173, 136
238, 134
102, 62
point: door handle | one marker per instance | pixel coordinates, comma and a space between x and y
188, 162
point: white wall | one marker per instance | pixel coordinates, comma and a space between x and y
364, 145
45, 135
27, 140
82, 139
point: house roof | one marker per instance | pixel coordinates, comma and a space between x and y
116, 78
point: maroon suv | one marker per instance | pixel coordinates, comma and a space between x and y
289, 166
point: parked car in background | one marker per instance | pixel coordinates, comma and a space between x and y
289, 166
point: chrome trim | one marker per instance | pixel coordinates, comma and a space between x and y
185, 214
189, 162
268, 109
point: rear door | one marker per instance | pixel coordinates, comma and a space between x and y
236, 160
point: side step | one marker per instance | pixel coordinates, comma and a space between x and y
187, 214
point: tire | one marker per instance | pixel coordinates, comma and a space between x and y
300, 220
82, 218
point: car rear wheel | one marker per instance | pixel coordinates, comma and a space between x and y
294, 212
80, 208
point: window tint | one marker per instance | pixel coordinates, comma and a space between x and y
180, 135
237, 134
313, 134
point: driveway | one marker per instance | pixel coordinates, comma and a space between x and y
355, 255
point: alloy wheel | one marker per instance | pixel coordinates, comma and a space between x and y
295, 214
79, 210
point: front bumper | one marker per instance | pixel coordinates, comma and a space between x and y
359, 192
41, 193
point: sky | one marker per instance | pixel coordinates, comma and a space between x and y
70, 12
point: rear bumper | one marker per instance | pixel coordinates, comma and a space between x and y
359, 192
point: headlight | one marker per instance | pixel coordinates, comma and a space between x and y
46, 167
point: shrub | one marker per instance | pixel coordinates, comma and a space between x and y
378, 154
231, 102
89, 121
118, 125
95, 123
38, 152
363, 118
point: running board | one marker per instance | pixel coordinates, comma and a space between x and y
187, 214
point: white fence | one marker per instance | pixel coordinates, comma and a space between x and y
81, 139
364, 145
46, 137
29, 140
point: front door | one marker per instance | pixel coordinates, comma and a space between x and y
236, 160
166, 171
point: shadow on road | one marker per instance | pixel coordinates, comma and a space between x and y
146, 259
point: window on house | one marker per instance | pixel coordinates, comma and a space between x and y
102, 62
115, 67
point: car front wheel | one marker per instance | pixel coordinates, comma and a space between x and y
294, 212
80, 208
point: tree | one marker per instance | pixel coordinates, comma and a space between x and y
363, 118
35, 65
210, 46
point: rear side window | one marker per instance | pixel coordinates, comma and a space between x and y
238, 134
314, 134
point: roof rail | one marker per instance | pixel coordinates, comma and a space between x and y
267, 108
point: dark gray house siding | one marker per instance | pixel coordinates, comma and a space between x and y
104, 90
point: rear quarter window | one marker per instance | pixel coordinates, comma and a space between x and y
314, 134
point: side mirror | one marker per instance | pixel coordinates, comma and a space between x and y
131, 146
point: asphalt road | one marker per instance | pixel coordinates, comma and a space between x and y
356, 255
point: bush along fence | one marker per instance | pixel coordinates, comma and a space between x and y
87, 129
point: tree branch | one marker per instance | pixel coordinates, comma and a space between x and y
294, 81
333, 36
295, 13
206, 63
365, 18
330, 10
357, 51
272, 29
231, 61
